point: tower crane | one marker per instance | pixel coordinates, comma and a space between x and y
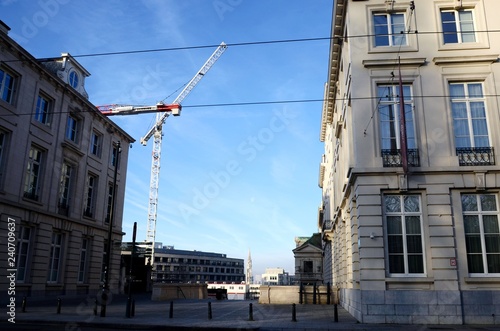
163, 111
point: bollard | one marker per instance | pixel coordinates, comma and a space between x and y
128, 307
335, 313
301, 291
95, 307
171, 312
132, 313
23, 305
58, 305
209, 310
250, 312
294, 313
314, 294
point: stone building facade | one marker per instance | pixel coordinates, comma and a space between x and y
58, 155
410, 175
308, 256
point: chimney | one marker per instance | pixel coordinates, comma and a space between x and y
4, 28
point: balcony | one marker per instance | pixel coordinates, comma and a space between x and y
475, 156
392, 158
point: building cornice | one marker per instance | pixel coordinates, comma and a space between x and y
337, 32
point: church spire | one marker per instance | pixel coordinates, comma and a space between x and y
249, 276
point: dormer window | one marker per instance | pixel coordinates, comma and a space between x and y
73, 79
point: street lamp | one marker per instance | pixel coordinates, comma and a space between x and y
105, 286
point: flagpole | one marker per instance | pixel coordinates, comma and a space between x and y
402, 123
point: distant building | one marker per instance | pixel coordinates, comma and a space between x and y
180, 266
308, 260
275, 276
231, 291
58, 155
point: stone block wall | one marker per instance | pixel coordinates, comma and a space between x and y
163, 292
422, 307
291, 294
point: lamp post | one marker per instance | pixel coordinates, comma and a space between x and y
105, 286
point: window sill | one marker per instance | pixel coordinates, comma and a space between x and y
54, 285
36, 202
72, 146
410, 279
42, 126
462, 46
391, 49
482, 280
409, 283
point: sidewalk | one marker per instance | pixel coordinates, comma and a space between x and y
194, 314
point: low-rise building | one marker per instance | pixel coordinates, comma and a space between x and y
275, 276
181, 266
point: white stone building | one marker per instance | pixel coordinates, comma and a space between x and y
275, 276
58, 156
413, 237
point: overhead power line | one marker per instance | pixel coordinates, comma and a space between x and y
273, 102
250, 43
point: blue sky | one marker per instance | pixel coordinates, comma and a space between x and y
233, 178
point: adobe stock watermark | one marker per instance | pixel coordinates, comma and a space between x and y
248, 150
221, 7
31, 25
151, 81
11, 269
7, 2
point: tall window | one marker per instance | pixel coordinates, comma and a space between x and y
3, 155
469, 115
23, 251
403, 219
90, 196
389, 106
114, 156
82, 267
33, 173
95, 143
389, 29
458, 26
55, 257
482, 233
7, 86
64, 187
72, 128
470, 124
43, 109
109, 206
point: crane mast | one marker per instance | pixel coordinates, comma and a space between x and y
156, 132
163, 111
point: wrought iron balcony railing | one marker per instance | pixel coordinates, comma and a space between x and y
392, 158
475, 156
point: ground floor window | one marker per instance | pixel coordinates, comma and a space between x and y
482, 233
404, 238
